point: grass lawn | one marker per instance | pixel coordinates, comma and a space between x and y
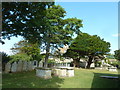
83, 78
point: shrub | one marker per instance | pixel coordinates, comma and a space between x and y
5, 59
23, 57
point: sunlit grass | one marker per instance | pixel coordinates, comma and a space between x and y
84, 78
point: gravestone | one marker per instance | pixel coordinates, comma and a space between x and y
92, 65
19, 66
40, 64
7, 67
35, 64
14, 67
68, 65
25, 67
30, 65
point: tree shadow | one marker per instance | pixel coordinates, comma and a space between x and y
29, 80
100, 82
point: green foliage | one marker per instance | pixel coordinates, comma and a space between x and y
51, 61
43, 23
117, 54
28, 48
88, 45
17, 57
110, 56
20, 18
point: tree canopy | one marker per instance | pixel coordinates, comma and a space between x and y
24, 47
39, 22
19, 18
89, 45
117, 54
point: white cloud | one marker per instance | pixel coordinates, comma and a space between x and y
116, 35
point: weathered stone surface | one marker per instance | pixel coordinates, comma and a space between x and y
43, 73
30, 65
70, 72
8, 67
56, 72
14, 67
62, 72
25, 66
92, 65
113, 69
40, 64
19, 66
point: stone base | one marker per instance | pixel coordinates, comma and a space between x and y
113, 69
62, 73
56, 72
43, 73
70, 72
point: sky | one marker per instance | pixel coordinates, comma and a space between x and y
99, 18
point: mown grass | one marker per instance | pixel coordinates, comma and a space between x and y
83, 78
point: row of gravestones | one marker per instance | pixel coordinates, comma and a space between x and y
22, 66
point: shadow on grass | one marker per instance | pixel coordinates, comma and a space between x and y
29, 80
99, 82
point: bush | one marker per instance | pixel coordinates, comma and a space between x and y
23, 57
5, 59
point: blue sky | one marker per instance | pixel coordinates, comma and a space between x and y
99, 18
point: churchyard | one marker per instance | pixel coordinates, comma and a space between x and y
54, 52
28, 75
83, 78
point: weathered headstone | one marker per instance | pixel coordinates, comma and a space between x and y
40, 64
25, 67
68, 65
14, 67
8, 67
19, 66
30, 65
92, 65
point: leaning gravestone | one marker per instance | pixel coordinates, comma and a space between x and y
14, 67
7, 67
20, 66
25, 66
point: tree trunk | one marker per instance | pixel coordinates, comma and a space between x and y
89, 61
47, 55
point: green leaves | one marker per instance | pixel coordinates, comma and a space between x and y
24, 47
89, 45
117, 54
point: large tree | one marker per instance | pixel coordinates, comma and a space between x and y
89, 45
46, 25
117, 54
20, 18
